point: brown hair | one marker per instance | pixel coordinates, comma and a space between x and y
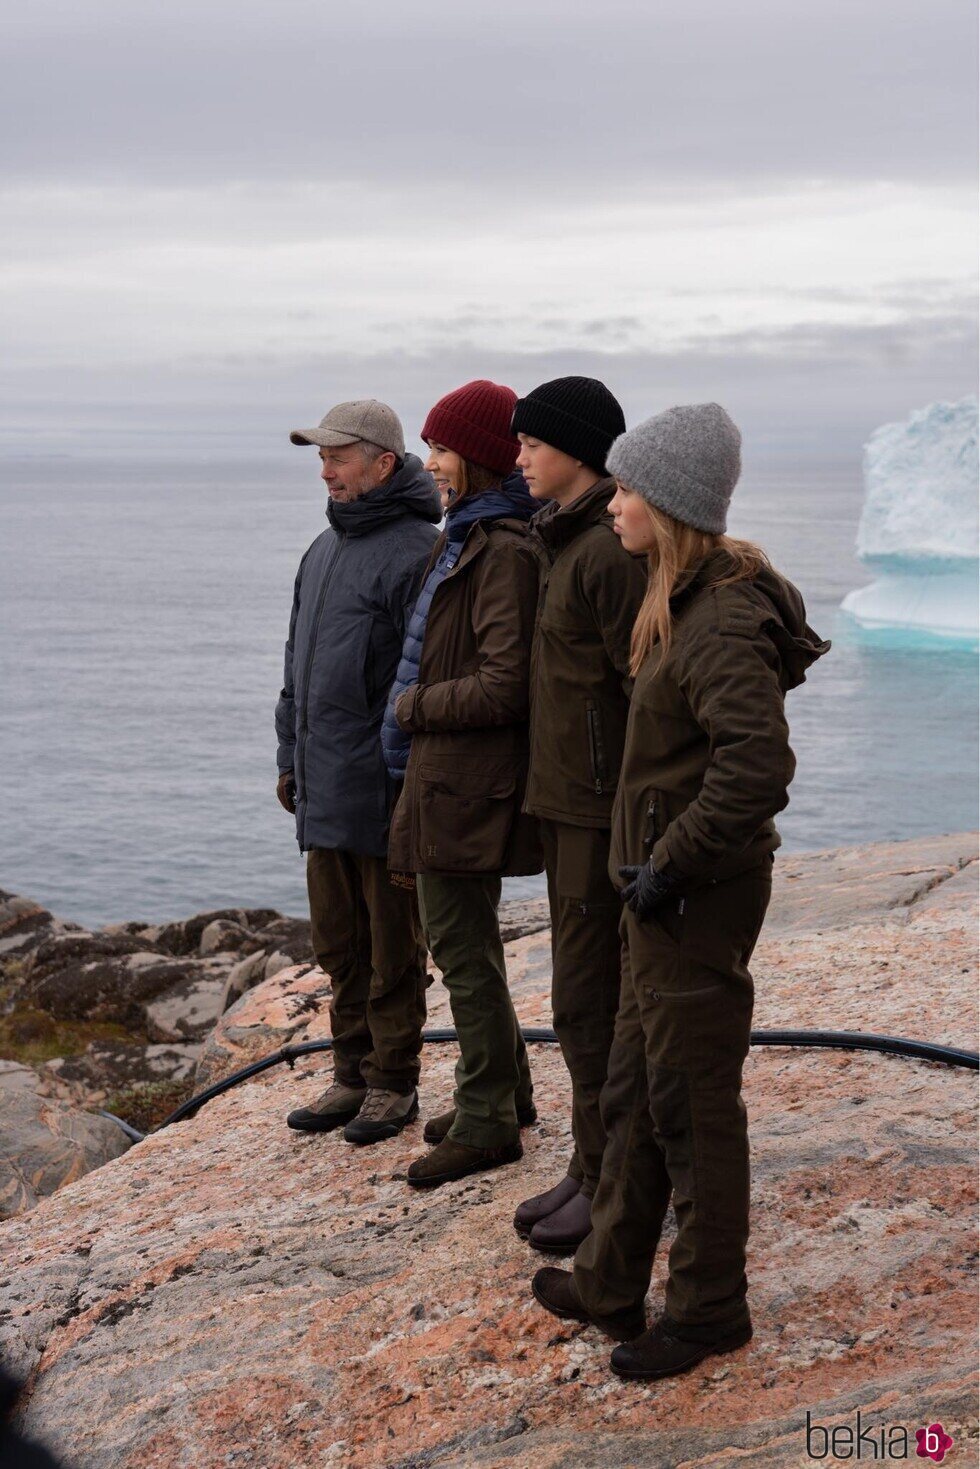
678, 549
475, 479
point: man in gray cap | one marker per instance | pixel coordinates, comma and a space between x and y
354, 591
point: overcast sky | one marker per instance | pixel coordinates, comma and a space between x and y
218, 219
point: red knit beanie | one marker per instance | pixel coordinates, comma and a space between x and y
474, 421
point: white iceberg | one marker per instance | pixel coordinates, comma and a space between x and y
919, 526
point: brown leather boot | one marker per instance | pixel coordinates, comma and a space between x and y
438, 1127
541, 1205
562, 1232
555, 1290
659, 1353
450, 1159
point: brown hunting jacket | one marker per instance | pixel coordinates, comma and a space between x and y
460, 807
708, 762
591, 591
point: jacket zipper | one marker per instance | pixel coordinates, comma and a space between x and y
308, 666
596, 753
650, 833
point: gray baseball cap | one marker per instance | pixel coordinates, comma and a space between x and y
362, 419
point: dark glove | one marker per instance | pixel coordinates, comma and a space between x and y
645, 889
286, 791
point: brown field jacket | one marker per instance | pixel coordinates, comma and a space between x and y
460, 810
708, 761
590, 594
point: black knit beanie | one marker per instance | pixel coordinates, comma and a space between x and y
578, 415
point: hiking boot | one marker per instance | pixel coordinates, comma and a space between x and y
383, 1114
541, 1205
337, 1106
562, 1232
555, 1290
438, 1127
659, 1353
450, 1159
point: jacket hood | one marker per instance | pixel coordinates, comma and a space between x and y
769, 601
410, 491
510, 500
556, 525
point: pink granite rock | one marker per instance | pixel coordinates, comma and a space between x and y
229, 1293
44, 1141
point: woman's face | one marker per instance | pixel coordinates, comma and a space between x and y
446, 468
631, 522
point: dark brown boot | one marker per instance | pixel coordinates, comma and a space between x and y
555, 1290
438, 1127
541, 1205
658, 1353
562, 1232
450, 1159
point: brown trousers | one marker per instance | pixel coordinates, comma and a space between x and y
585, 966
675, 1121
367, 937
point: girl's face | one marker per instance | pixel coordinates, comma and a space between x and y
631, 522
446, 468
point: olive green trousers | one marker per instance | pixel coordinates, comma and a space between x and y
459, 915
675, 1121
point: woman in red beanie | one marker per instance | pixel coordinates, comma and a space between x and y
457, 728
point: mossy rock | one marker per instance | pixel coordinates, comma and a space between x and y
146, 1104
33, 1036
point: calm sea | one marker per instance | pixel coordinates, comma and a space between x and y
143, 608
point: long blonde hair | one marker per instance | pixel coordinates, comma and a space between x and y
678, 549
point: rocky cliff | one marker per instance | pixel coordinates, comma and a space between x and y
227, 1293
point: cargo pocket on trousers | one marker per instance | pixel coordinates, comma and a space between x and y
465, 817
670, 1111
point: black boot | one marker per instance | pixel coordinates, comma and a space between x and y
555, 1290
659, 1353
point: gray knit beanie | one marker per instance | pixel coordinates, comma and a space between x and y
685, 461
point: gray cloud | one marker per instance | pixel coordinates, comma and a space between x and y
801, 390
543, 100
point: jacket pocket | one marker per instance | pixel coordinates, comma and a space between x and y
597, 748
466, 813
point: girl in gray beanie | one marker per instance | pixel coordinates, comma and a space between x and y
719, 639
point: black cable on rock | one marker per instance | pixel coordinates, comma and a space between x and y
843, 1040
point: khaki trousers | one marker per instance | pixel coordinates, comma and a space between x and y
367, 937
675, 1121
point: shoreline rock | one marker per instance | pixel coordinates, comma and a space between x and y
229, 1293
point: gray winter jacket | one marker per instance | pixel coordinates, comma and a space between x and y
354, 592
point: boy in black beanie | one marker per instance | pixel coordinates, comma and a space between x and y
579, 701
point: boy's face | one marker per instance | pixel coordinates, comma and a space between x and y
550, 472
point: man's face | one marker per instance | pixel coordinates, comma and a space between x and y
348, 475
